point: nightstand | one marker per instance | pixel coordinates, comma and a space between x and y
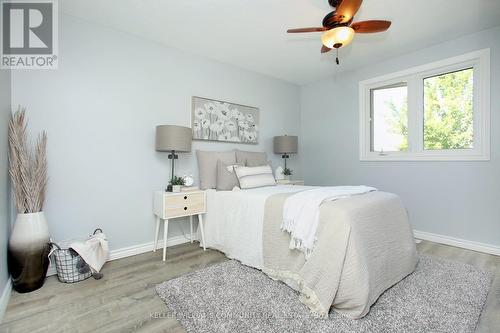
289, 182
168, 205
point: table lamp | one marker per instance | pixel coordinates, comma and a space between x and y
173, 139
285, 145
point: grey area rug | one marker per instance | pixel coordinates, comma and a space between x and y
440, 296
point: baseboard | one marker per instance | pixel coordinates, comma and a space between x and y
457, 242
419, 235
134, 250
143, 248
4, 299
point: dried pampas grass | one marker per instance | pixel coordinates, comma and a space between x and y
27, 167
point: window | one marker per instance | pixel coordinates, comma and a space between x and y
448, 110
439, 111
389, 114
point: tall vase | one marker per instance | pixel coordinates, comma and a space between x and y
28, 252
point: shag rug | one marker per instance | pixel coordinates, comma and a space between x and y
440, 296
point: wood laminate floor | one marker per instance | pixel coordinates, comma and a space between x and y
125, 299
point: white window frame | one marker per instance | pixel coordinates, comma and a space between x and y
479, 61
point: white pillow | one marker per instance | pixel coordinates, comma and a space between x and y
250, 177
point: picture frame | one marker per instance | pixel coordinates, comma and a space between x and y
221, 121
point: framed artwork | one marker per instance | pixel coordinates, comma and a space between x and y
214, 120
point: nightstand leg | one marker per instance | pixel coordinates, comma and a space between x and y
156, 233
165, 235
200, 221
191, 228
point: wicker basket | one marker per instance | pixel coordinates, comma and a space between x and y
70, 265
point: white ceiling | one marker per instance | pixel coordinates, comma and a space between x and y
251, 33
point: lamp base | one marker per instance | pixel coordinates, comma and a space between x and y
285, 157
172, 156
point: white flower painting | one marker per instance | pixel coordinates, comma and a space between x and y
227, 122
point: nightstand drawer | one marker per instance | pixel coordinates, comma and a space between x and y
193, 209
184, 199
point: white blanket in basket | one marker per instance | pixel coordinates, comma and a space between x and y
94, 250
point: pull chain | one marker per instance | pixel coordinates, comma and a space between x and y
337, 57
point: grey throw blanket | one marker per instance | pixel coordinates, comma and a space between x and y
364, 246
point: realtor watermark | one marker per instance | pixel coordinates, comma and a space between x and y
211, 315
29, 34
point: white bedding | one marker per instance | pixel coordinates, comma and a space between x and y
301, 213
365, 245
234, 220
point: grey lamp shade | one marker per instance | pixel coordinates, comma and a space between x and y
286, 144
171, 137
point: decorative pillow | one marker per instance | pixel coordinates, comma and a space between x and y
270, 163
251, 158
250, 177
226, 176
253, 163
207, 166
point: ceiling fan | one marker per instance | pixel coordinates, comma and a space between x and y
338, 28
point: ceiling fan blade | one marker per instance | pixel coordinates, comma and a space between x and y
306, 30
365, 27
325, 49
344, 12
347, 9
299, 30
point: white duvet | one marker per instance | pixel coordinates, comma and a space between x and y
234, 220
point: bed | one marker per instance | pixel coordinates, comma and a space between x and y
364, 244
234, 221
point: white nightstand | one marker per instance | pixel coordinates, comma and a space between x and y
168, 205
289, 182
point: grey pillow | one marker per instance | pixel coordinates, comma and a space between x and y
251, 158
207, 166
254, 163
226, 179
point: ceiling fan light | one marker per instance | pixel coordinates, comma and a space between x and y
337, 37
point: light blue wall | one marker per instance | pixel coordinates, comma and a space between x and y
5, 109
100, 109
457, 199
